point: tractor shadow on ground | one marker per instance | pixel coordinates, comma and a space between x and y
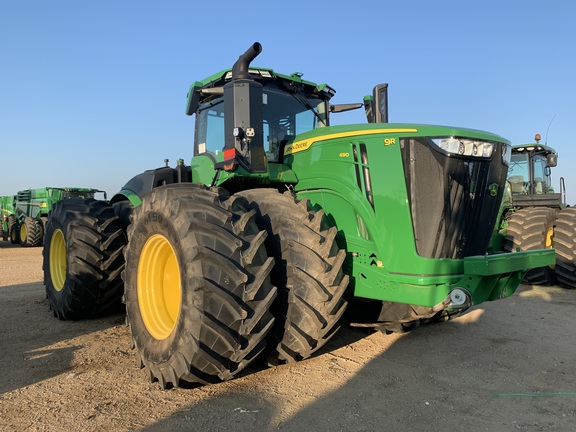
8, 245
345, 336
466, 373
35, 346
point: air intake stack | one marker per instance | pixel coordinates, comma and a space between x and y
244, 142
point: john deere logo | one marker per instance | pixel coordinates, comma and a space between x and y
493, 189
297, 147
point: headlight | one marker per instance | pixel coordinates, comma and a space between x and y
506, 154
465, 146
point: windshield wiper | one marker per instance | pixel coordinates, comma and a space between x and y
306, 104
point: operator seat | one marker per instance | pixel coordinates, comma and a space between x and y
517, 184
538, 188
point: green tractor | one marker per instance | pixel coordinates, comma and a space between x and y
31, 208
7, 217
535, 216
280, 223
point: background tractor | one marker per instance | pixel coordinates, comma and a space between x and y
7, 217
281, 221
535, 216
31, 208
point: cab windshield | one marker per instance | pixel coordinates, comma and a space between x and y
285, 115
76, 194
519, 175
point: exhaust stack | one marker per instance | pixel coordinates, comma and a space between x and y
243, 117
240, 68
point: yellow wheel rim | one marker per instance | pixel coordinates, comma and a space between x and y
58, 260
23, 232
549, 238
550, 242
159, 287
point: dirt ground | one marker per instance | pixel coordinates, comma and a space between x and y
508, 365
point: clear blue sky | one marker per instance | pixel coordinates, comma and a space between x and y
92, 93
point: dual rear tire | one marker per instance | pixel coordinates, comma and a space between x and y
83, 259
209, 285
308, 273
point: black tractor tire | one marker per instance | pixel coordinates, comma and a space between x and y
528, 229
124, 210
3, 234
31, 232
39, 225
198, 290
308, 273
9, 222
565, 245
14, 233
83, 259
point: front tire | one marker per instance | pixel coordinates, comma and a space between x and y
528, 229
9, 222
14, 232
198, 290
308, 273
31, 232
565, 245
83, 259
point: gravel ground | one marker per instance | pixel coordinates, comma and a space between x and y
508, 365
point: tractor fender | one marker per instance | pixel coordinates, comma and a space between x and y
143, 183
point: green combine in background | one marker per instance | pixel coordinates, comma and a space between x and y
7, 217
31, 208
279, 224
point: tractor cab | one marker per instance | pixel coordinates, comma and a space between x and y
289, 106
256, 113
530, 177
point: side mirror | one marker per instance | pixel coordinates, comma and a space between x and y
193, 98
380, 96
552, 160
369, 108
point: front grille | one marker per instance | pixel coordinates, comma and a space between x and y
453, 212
25, 195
